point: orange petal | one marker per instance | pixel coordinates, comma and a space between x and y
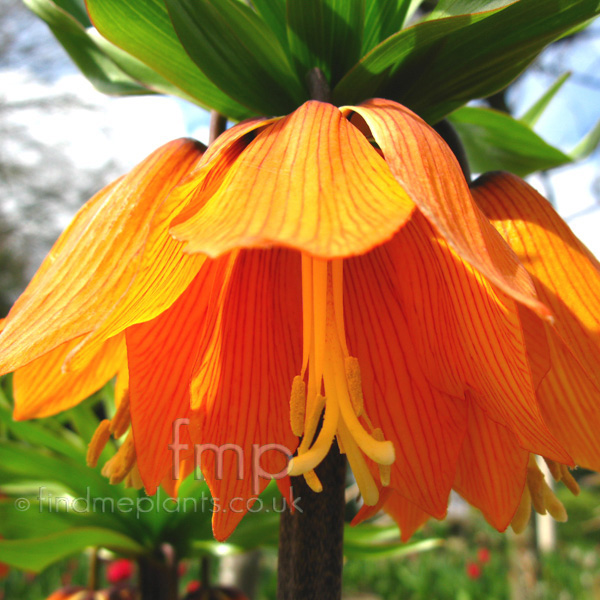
492, 469
42, 389
309, 181
569, 400
425, 425
426, 168
566, 275
467, 334
242, 381
407, 515
162, 353
92, 265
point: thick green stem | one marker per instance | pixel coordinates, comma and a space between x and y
311, 539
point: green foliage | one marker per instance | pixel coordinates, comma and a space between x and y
224, 55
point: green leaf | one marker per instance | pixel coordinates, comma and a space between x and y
373, 550
383, 18
533, 114
587, 145
233, 46
22, 463
273, 14
35, 554
137, 69
76, 8
326, 34
102, 72
495, 141
452, 8
437, 66
142, 28
35, 433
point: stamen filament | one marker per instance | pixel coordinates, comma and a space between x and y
364, 479
311, 458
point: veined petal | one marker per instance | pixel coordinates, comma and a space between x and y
425, 167
566, 275
92, 265
42, 389
407, 515
467, 334
309, 181
162, 353
492, 468
425, 425
241, 385
569, 400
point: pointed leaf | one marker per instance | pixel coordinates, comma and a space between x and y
533, 114
102, 72
495, 141
143, 29
273, 14
35, 554
587, 145
437, 66
325, 34
452, 8
383, 19
236, 50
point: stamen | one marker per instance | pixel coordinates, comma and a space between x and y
319, 318
118, 467
311, 458
313, 482
298, 405
381, 452
569, 480
554, 506
354, 380
134, 479
385, 471
311, 423
307, 310
521, 518
122, 419
98, 443
364, 479
337, 285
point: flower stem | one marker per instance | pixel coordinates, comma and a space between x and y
311, 539
157, 577
218, 124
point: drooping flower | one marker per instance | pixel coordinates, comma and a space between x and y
329, 264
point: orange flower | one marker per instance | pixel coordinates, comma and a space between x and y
332, 263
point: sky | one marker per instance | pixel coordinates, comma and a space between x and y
116, 133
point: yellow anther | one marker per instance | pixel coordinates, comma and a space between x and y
298, 405
354, 381
134, 479
554, 506
569, 481
385, 471
523, 514
536, 484
98, 443
313, 482
554, 468
119, 424
118, 467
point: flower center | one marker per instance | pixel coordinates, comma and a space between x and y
334, 386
